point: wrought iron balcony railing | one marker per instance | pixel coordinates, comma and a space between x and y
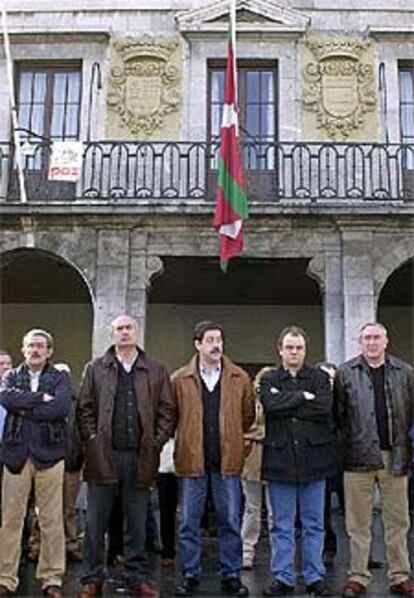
164, 171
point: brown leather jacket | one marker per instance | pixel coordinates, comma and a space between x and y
235, 418
95, 410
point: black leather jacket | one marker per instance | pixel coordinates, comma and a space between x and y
299, 442
355, 410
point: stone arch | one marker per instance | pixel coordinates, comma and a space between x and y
43, 289
386, 262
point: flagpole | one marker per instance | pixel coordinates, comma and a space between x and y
15, 125
233, 43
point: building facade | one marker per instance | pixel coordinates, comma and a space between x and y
326, 104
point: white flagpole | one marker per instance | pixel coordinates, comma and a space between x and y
15, 125
233, 42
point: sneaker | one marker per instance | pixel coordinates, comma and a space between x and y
232, 586
404, 588
353, 588
318, 588
278, 588
187, 587
144, 589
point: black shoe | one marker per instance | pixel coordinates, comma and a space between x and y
232, 586
374, 564
318, 588
278, 588
187, 587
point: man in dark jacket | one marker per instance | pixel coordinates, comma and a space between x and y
298, 455
125, 415
37, 398
374, 395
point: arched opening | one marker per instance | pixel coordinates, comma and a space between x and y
253, 302
41, 290
395, 310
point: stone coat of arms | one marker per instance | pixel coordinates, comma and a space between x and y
144, 84
338, 85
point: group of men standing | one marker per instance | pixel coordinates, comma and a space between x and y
128, 407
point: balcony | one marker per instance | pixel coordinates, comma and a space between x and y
134, 172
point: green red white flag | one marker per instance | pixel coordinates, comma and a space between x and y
231, 197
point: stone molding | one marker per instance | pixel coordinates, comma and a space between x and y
265, 13
339, 84
144, 82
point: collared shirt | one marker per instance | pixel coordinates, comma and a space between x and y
210, 376
34, 380
127, 364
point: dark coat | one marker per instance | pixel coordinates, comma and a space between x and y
355, 408
299, 440
34, 428
95, 412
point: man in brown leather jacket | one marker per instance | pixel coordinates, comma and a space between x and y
374, 394
214, 405
125, 415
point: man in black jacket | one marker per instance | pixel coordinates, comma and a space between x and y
298, 455
374, 395
37, 398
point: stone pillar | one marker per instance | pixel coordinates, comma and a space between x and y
143, 269
327, 271
111, 284
358, 286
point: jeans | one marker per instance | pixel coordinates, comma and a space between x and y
284, 498
226, 493
101, 499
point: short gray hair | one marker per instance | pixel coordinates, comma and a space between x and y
39, 332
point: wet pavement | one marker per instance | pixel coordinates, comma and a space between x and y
256, 580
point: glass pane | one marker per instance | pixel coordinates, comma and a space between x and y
37, 121
59, 88
25, 87
71, 124
57, 121
24, 116
216, 114
267, 86
253, 120
253, 86
407, 85
407, 120
268, 121
39, 92
217, 86
74, 87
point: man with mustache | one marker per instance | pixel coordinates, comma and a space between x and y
214, 407
37, 398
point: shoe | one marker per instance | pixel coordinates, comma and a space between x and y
373, 564
89, 589
167, 562
187, 587
74, 555
318, 588
353, 588
52, 591
232, 586
404, 588
247, 563
278, 588
144, 589
5, 591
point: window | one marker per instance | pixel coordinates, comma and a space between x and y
406, 82
257, 99
48, 101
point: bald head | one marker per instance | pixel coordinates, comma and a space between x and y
124, 332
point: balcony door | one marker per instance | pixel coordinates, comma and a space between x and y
257, 99
406, 83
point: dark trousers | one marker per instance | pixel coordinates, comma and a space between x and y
101, 499
168, 498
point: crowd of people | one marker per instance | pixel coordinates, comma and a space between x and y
293, 436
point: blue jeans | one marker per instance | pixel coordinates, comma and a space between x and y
309, 497
226, 493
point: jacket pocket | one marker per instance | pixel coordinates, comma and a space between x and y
97, 464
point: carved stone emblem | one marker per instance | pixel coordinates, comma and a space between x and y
144, 84
339, 85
